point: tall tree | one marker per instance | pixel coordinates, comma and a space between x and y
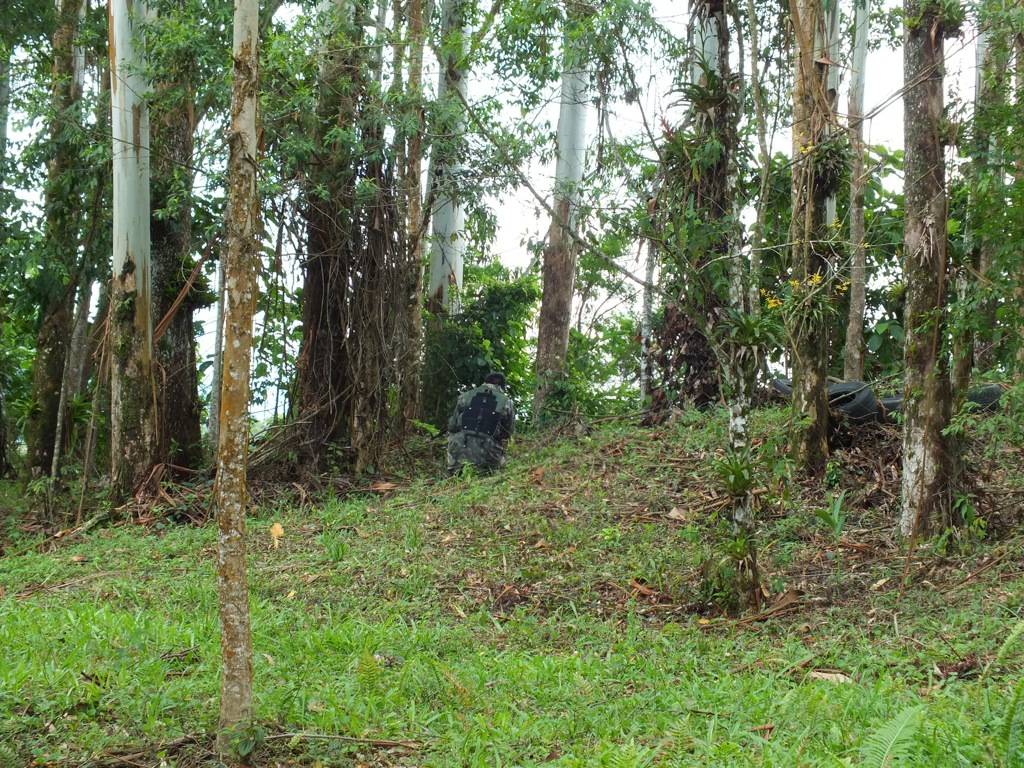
1018, 64
448, 241
241, 268
173, 122
815, 181
927, 460
62, 201
991, 65
853, 360
132, 410
559, 270
409, 161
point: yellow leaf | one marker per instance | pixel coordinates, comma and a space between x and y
276, 534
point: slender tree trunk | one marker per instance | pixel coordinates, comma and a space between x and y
62, 205
647, 312
853, 361
71, 383
813, 117
5, 106
559, 269
411, 194
1018, 290
5, 100
927, 460
241, 269
992, 63
213, 419
132, 411
178, 406
448, 242
763, 156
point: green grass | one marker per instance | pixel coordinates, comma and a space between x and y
551, 615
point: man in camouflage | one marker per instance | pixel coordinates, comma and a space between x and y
480, 426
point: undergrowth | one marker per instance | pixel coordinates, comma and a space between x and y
561, 613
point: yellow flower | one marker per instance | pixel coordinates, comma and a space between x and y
774, 303
815, 279
794, 283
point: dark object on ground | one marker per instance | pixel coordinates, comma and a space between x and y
856, 401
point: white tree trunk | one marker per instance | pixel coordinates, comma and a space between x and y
230, 495
559, 270
448, 220
853, 362
133, 427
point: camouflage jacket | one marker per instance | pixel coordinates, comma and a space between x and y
485, 410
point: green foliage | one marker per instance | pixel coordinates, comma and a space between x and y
1011, 732
374, 644
487, 333
892, 743
833, 517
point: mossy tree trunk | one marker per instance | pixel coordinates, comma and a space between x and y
132, 408
230, 495
927, 460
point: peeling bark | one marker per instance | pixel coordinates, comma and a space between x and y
230, 496
132, 410
927, 459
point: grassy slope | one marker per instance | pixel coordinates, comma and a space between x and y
550, 615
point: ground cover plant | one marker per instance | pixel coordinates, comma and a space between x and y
572, 611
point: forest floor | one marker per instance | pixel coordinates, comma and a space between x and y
573, 610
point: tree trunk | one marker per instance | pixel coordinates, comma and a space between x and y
647, 312
813, 118
63, 216
448, 242
71, 381
213, 418
178, 406
410, 163
853, 361
992, 62
240, 270
927, 461
5, 106
132, 411
1018, 290
559, 269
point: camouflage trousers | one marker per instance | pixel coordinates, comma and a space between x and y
482, 451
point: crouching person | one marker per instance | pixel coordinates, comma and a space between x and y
480, 426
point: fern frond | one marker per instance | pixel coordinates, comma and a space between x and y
1010, 732
893, 740
1007, 646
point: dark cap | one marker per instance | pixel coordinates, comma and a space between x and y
495, 377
